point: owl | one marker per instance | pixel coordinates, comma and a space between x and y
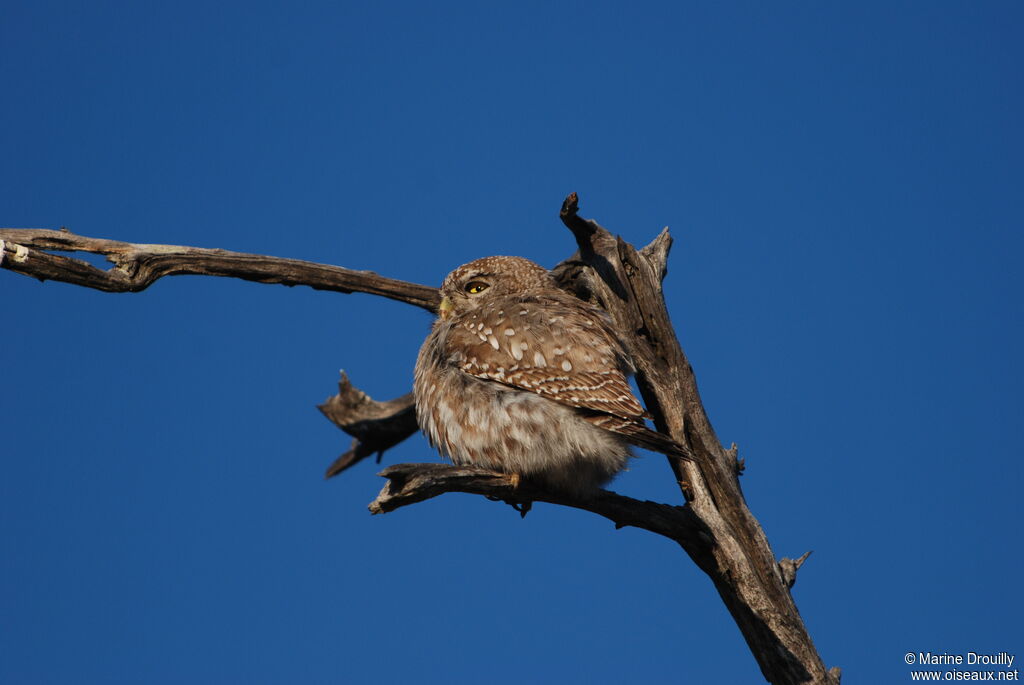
521, 377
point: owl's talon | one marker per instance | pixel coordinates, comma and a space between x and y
522, 507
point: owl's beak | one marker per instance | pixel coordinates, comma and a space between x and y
444, 310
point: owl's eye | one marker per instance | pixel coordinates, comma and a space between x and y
475, 287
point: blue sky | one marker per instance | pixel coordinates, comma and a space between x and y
843, 182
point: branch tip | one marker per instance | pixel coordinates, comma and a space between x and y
341, 463
139, 265
656, 252
739, 465
376, 426
582, 229
788, 568
570, 206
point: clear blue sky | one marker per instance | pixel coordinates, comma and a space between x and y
844, 183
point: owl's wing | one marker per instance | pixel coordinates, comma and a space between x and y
561, 351
566, 352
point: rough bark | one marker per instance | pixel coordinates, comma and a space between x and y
137, 266
375, 426
740, 562
715, 527
412, 483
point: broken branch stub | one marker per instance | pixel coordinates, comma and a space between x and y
375, 426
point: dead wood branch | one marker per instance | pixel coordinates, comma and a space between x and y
715, 528
789, 567
412, 483
627, 283
137, 266
374, 426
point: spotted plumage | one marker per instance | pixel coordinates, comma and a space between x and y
522, 377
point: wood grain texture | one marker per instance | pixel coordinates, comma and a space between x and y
137, 266
375, 426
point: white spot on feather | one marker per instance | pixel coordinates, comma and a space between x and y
566, 366
494, 341
539, 360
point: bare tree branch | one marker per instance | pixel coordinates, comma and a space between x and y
137, 266
789, 567
375, 426
412, 483
627, 283
715, 528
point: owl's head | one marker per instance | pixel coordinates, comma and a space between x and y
470, 285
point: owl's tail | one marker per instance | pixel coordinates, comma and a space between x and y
644, 437
641, 436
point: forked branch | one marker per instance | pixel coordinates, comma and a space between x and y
374, 426
716, 529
